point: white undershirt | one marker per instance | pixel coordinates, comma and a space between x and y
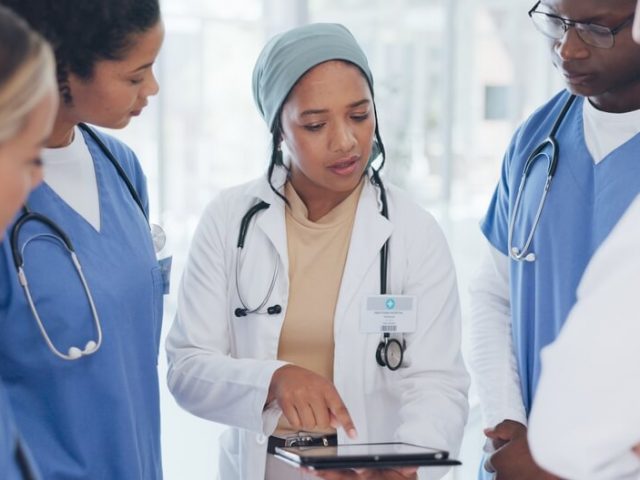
604, 131
492, 354
69, 171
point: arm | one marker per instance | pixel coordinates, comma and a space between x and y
493, 361
585, 418
203, 376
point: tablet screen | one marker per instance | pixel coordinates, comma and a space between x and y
369, 450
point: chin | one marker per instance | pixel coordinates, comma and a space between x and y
583, 90
123, 123
114, 124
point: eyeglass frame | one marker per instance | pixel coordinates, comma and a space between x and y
567, 23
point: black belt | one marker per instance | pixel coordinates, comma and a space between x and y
302, 440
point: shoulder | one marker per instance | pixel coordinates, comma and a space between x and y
232, 202
539, 123
406, 212
416, 227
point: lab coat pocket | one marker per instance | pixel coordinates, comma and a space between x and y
157, 303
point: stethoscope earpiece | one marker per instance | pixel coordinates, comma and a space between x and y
274, 310
75, 353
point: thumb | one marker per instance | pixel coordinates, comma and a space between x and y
497, 433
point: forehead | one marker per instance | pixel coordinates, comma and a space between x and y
145, 45
590, 9
335, 78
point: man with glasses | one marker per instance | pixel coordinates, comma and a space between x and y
585, 420
543, 231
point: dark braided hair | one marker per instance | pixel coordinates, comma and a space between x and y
83, 32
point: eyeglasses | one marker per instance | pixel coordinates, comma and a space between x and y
592, 34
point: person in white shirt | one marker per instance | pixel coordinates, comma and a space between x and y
585, 419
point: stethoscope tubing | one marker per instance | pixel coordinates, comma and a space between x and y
523, 253
387, 341
18, 257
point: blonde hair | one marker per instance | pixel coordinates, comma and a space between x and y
27, 75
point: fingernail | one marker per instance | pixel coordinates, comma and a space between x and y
352, 434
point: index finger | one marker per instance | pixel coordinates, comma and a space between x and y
341, 414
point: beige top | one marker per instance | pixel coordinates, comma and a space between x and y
317, 255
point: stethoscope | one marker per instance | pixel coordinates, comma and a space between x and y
523, 253
390, 351
60, 237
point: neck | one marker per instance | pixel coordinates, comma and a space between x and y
618, 101
62, 133
319, 201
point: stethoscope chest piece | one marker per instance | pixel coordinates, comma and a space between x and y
390, 353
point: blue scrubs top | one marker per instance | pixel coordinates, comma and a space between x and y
96, 417
585, 201
16, 462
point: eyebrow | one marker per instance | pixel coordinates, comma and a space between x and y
359, 103
142, 67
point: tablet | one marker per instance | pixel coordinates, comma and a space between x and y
364, 455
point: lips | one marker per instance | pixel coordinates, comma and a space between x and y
576, 78
138, 111
345, 166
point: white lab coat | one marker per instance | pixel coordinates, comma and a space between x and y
220, 366
586, 416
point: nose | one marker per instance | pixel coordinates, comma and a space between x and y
343, 139
152, 86
571, 46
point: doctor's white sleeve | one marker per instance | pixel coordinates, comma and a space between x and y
203, 376
586, 414
493, 362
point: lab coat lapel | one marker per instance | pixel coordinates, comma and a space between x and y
370, 231
272, 220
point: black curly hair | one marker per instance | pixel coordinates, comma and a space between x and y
83, 32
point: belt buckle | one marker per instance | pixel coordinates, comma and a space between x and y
304, 439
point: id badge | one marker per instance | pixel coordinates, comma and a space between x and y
389, 314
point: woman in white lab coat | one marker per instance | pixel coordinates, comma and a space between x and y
275, 336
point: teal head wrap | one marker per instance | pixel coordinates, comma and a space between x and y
289, 55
